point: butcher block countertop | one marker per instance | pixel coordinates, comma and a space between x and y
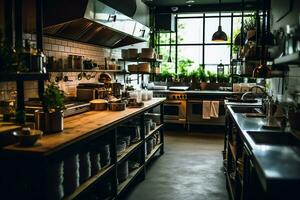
6, 127
79, 127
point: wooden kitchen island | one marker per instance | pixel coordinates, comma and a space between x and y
26, 169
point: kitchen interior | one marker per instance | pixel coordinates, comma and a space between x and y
149, 99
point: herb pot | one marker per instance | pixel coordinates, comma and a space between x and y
49, 122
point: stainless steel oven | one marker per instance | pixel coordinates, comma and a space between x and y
194, 110
175, 111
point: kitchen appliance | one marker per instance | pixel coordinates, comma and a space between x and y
174, 107
195, 106
90, 91
92, 22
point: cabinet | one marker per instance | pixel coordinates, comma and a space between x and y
57, 167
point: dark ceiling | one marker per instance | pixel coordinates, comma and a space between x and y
183, 2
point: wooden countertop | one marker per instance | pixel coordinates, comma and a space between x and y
7, 127
79, 127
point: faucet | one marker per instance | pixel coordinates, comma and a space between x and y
268, 100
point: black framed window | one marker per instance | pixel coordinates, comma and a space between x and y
194, 46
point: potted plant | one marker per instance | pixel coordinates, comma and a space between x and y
195, 78
50, 120
203, 78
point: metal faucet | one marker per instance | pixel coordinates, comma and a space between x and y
268, 99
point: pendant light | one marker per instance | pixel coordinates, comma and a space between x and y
219, 35
170, 48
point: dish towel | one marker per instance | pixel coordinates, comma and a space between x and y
214, 109
206, 112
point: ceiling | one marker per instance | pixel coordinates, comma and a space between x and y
183, 2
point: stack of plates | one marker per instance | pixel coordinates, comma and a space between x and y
54, 181
95, 162
105, 155
123, 171
71, 174
84, 166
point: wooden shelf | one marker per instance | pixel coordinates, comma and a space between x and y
28, 76
153, 131
140, 60
89, 182
90, 70
128, 151
122, 186
152, 153
289, 59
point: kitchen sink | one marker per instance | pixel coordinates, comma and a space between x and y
245, 109
274, 138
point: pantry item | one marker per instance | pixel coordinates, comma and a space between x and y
144, 67
120, 147
123, 171
133, 68
27, 137
98, 104
147, 53
117, 106
132, 53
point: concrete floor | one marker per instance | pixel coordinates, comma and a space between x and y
190, 169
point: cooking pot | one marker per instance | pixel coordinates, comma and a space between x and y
98, 104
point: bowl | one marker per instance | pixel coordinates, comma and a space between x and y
28, 139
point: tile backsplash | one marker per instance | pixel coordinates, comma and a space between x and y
60, 49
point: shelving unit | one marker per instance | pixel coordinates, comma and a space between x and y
289, 59
96, 134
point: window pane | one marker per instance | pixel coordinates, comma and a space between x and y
216, 53
189, 56
190, 31
165, 65
211, 26
213, 68
164, 38
191, 15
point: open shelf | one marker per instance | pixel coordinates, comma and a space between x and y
90, 70
129, 180
289, 59
153, 131
89, 182
28, 76
153, 152
128, 151
140, 60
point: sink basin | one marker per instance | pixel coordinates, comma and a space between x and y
245, 109
242, 101
274, 138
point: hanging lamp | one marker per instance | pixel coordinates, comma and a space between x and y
219, 35
170, 48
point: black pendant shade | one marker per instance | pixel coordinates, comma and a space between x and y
219, 36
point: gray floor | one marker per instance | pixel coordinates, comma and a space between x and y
190, 169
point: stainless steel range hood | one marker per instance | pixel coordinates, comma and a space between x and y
93, 22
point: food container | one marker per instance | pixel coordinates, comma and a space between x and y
148, 126
28, 137
150, 95
147, 53
127, 139
144, 95
120, 147
132, 53
124, 53
133, 68
116, 106
149, 145
144, 67
98, 104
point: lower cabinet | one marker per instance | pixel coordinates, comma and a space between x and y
101, 166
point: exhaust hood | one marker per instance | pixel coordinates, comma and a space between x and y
93, 22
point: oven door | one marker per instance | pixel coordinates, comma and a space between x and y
194, 113
175, 111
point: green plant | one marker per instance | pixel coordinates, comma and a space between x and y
250, 23
202, 74
223, 78
183, 65
53, 98
212, 77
